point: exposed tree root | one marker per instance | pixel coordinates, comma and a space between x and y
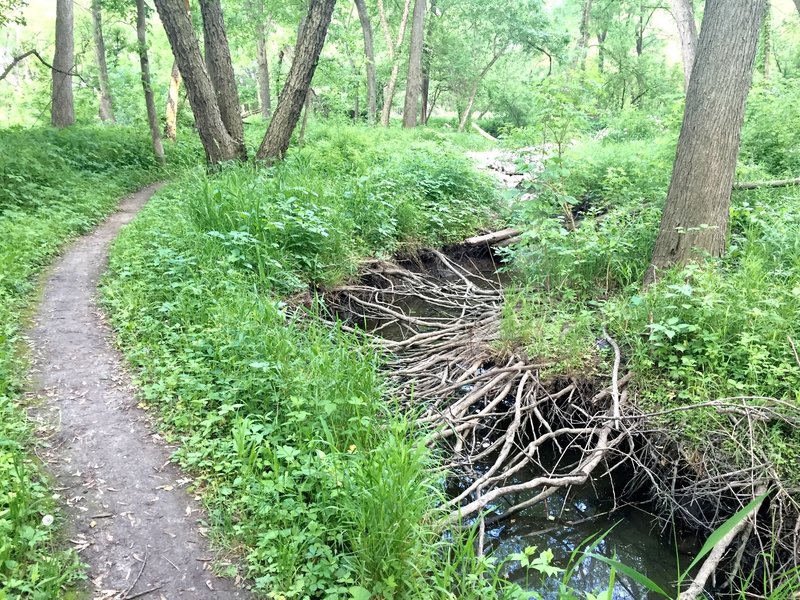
488, 405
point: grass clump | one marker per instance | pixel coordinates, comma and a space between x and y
53, 185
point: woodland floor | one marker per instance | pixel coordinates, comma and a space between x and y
128, 512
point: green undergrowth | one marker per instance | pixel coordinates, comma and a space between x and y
53, 185
720, 332
309, 472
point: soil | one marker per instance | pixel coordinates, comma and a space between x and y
128, 512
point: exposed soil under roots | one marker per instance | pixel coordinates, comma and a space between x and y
439, 321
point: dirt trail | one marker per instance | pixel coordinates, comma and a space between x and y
129, 516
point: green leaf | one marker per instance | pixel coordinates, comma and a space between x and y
723, 530
359, 593
639, 578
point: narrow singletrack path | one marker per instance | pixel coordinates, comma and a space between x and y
128, 513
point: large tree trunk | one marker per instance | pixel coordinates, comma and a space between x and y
369, 53
220, 67
695, 219
474, 92
414, 79
152, 117
263, 63
583, 41
687, 30
290, 104
106, 106
173, 95
217, 142
62, 110
394, 51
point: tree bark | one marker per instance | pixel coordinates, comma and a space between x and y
583, 41
263, 63
695, 218
62, 110
465, 117
369, 53
218, 59
687, 31
173, 94
217, 142
171, 113
106, 109
152, 117
290, 105
797, 4
414, 79
394, 50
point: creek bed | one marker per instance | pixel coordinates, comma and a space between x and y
571, 514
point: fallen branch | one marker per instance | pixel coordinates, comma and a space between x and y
715, 556
490, 239
483, 133
774, 183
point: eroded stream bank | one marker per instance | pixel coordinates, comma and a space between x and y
537, 460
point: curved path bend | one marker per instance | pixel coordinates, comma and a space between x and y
128, 513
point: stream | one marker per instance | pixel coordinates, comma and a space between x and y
573, 514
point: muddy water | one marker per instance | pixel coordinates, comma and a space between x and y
567, 519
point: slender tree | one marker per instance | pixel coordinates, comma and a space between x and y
683, 13
106, 105
766, 39
414, 78
583, 41
173, 95
144, 61
695, 219
220, 69
62, 109
217, 142
262, 31
290, 104
393, 47
369, 53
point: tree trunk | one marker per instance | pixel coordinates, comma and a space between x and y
601, 52
427, 59
263, 63
766, 39
695, 218
306, 55
687, 30
62, 112
369, 52
394, 50
474, 92
152, 117
217, 142
173, 94
106, 107
414, 79
797, 4
301, 137
171, 113
583, 41
218, 59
